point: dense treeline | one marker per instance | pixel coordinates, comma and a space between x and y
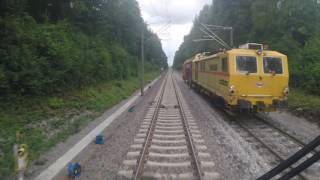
289, 26
48, 46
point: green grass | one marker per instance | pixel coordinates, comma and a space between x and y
45, 121
302, 103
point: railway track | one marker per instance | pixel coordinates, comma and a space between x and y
272, 142
169, 144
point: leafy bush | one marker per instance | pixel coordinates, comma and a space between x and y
55, 102
46, 51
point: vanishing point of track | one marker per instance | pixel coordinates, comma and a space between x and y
169, 144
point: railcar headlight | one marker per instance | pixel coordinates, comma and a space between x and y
286, 91
259, 52
232, 90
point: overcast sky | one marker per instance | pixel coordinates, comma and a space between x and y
171, 20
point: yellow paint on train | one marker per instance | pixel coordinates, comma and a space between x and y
247, 78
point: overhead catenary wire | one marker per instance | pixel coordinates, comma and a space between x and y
164, 28
210, 35
198, 40
161, 30
225, 28
153, 8
216, 36
217, 26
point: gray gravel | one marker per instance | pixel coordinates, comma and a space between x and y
300, 127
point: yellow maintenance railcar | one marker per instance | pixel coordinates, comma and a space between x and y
246, 78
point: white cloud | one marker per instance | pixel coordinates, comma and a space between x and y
171, 20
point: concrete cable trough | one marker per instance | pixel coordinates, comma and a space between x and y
169, 144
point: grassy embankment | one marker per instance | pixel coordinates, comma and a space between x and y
306, 105
47, 121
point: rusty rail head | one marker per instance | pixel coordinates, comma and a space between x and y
143, 155
188, 134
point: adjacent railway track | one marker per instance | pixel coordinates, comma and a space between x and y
271, 140
296, 140
169, 144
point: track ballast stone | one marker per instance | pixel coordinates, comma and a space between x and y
168, 155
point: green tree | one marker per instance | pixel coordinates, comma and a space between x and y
290, 27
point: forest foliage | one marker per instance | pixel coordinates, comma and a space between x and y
288, 26
48, 46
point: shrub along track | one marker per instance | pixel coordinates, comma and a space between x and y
169, 144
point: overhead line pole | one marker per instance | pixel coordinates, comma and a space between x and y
231, 37
142, 64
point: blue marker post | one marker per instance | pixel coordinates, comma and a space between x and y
99, 139
131, 109
74, 170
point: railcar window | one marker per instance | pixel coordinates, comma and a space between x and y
246, 64
202, 66
213, 67
272, 64
224, 65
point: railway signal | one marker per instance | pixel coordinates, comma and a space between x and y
20, 152
21, 157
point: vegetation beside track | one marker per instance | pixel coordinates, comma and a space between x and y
304, 104
45, 121
62, 63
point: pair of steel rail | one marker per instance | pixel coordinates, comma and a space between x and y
145, 150
289, 162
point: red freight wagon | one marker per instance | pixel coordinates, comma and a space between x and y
187, 71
